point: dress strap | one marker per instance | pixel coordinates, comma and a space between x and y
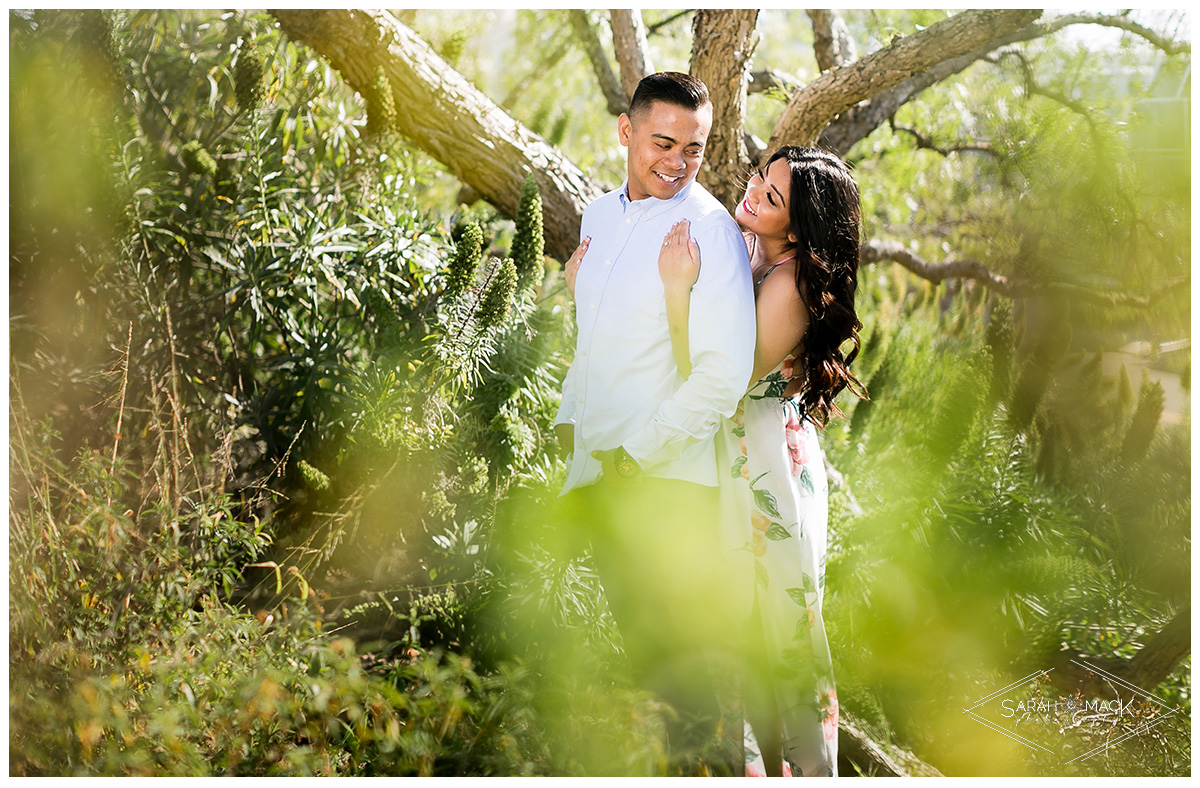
772, 268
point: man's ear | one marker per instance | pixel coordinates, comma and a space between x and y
624, 129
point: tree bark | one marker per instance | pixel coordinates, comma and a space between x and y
831, 39
444, 115
614, 98
815, 106
1146, 669
629, 44
722, 42
855, 124
858, 122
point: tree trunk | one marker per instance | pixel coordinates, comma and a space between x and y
629, 43
615, 98
1145, 670
445, 116
831, 39
814, 107
722, 42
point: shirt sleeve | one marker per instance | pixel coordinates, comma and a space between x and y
721, 329
566, 408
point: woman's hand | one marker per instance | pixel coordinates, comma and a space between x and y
571, 267
679, 259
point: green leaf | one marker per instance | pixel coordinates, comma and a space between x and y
736, 471
806, 481
797, 595
777, 533
760, 574
765, 501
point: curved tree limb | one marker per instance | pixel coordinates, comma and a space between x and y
926, 143
659, 25
858, 122
449, 118
876, 251
722, 43
629, 43
615, 99
770, 78
814, 107
831, 39
1120, 21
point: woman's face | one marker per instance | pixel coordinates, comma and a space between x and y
764, 209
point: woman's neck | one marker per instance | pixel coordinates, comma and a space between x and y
769, 251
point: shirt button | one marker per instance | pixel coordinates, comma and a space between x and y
593, 306
608, 262
629, 221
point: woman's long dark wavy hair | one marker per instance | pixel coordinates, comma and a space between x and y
824, 212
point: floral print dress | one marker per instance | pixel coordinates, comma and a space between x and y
774, 470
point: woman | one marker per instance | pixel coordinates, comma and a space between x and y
800, 214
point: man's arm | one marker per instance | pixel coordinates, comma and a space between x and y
564, 420
721, 340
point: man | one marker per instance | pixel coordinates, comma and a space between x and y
642, 469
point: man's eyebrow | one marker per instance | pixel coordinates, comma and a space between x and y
664, 138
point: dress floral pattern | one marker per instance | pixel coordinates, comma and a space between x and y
777, 471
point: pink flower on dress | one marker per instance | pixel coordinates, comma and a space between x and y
829, 713
788, 368
742, 445
811, 616
794, 431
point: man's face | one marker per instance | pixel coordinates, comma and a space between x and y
666, 146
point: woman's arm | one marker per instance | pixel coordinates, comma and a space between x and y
679, 268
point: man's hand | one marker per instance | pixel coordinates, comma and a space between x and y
608, 465
566, 439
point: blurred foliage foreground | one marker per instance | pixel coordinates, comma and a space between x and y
280, 444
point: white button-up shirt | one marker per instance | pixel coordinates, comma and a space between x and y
623, 388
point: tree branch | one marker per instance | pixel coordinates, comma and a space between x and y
876, 251
858, 122
926, 143
448, 118
629, 43
1120, 21
815, 106
831, 39
772, 79
614, 97
659, 25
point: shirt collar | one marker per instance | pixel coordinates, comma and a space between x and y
653, 205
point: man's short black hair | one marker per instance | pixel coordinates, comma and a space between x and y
672, 87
